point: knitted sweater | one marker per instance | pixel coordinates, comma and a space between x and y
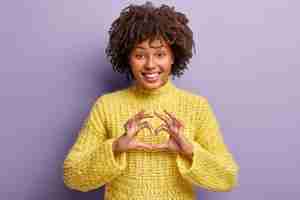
150, 174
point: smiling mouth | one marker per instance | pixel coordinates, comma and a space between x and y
151, 77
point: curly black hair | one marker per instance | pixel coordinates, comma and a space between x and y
138, 23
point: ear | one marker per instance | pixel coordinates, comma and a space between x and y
173, 58
129, 58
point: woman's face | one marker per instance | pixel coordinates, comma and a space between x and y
151, 63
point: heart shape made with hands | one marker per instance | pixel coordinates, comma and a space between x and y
166, 121
174, 127
167, 118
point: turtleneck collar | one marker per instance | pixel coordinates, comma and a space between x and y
164, 89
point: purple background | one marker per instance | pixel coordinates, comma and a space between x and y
53, 67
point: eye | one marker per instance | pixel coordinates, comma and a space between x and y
161, 54
139, 56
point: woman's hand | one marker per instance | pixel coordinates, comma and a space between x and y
177, 142
132, 127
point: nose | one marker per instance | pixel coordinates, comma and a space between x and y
150, 64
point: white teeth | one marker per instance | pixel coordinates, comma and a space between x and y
151, 75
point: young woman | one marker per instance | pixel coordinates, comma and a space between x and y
150, 140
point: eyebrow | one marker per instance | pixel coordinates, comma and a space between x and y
158, 47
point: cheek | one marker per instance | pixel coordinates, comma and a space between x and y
135, 66
167, 65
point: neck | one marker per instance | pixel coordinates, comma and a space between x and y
164, 89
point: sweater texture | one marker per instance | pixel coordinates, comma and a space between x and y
150, 174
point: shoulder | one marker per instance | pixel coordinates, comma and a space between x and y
192, 97
112, 97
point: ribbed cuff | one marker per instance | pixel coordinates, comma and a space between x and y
118, 162
187, 167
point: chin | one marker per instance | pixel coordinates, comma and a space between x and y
151, 86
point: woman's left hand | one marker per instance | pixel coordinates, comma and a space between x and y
177, 141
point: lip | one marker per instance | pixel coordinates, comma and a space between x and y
151, 79
143, 73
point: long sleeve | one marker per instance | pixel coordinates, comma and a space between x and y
90, 163
212, 166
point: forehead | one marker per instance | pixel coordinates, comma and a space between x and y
154, 44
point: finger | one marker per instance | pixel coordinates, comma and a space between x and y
147, 125
145, 116
138, 115
141, 115
165, 119
140, 145
173, 117
170, 115
163, 146
127, 125
161, 128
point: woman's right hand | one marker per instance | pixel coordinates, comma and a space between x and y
132, 127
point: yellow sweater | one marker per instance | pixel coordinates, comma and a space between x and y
149, 174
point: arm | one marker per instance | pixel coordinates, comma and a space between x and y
211, 166
90, 163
